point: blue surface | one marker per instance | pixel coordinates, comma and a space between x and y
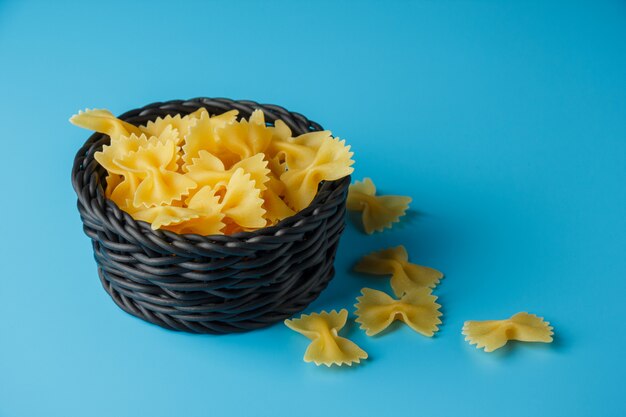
505, 121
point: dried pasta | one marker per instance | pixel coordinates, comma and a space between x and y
209, 218
376, 310
182, 124
331, 162
160, 216
209, 170
213, 174
242, 202
295, 152
275, 207
327, 347
493, 334
159, 184
378, 212
404, 275
203, 136
246, 138
104, 121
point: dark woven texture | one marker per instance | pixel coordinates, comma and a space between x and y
210, 284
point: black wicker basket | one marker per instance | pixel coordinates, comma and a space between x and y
210, 284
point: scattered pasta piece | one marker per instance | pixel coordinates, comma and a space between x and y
493, 334
327, 347
203, 174
376, 310
379, 212
404, 275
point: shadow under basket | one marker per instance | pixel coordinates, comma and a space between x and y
210, 284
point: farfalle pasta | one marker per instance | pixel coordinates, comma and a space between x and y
331, 161
404, 274
493, 334
202, 135
376, 310
155, 165
327, 347
379, 211
206, 174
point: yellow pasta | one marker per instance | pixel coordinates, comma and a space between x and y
404, 275
493, 334
103, 121
327, 347
159, 185
298, 152
203, 136
332, 161
275, 208
209, 170
213, 174
181, 123
121, 189
245, 139
376, 310
112, 180
379, 212
242, 202
122, 184
160, 216
209, 219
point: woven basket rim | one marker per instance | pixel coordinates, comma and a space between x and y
84, 157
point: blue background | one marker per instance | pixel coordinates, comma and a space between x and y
505, 121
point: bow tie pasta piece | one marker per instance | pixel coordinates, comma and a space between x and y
202, 135
159, 185
245, 138
209, 170
161, 216
119, 147
209, 219
404, 275
379, 212
103, 121
331, 162
376, 310
296, 152
122, 189
327, 347
493, 334
242, 202
181, 123
122, 146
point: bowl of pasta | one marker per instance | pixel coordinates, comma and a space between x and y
211, 215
